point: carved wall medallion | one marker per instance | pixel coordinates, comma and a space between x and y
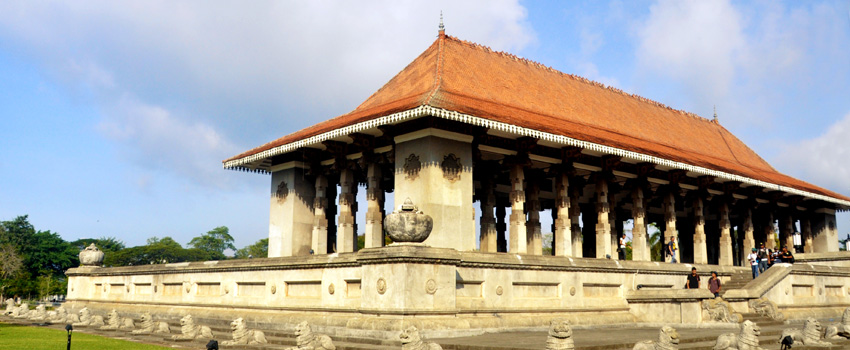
188, 287
382, 286
572, 291
128, 288
155, 287
273, 289
331, 289
282, 192
430, 286
411, 168
451, 167
499, 290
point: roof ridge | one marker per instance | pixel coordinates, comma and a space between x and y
541, 66
438, 75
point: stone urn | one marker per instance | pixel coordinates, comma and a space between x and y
408, 224
91, 256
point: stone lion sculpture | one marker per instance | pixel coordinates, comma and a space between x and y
22, 311
114, 321
148, 326
411, 340
718, 310
767, 308
60, 315
39, 314
810, 335
840, 330
244, 336
10, 306
189, 330
305, 339
747, 339
668, 339
560, 336
87, 319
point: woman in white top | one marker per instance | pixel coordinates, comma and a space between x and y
753, 258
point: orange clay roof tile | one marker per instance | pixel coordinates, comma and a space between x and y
473, 79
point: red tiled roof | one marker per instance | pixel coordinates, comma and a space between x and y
472, 79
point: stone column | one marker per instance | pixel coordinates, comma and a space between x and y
488, 234
346, 237
825, 231
518, 234
749, 240
700, 251
320, 219
374, 235
770, 233
806, 232
615, 232
670, 221
640, 250
561, 216
290, 211
433, 167
725, 253
575, 227
501, 228
786, 231
603, 225
533, 229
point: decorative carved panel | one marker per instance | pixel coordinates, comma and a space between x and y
411, 168
282, 191
451, 167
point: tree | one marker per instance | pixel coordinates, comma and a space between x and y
548, 241
156, 251
106, 244
216, 241
656, 243
10, 262
260, 249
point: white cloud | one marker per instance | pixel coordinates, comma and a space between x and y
822, 160
203, 76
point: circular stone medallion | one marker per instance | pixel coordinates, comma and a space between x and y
274, 289
382, 286
331, 288
572, 291
499, 290
430, 286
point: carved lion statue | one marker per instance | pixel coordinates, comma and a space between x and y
306, 339
114, 321
810, 335
149, 326
10, 306
60, 315
87, 319
22, 311
840, 330
718, 310
189, 330
765, 307
244, 336
411, 340
747, 339
668, 339
39, 314
560, 336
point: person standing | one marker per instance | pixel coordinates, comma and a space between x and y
671, 249
693, 279
714, 285
786, 256
753, 258
763, 258
621, 250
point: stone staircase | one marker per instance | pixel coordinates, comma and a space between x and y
739, 279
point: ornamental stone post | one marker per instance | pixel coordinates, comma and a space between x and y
603, 225
346, 236
640, 251
700, 250
825, 232
518, 234
575, 218
725, 256
806, 231
786, 231
534, 234
670, 221
374, 235
770, 232
561, 214
488, 234
749, 240
320, 219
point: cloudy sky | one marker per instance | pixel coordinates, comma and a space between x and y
116, 114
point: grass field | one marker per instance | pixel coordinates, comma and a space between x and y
19, 337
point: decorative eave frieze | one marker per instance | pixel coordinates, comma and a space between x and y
423, 111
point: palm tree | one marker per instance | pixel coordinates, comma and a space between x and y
656, 243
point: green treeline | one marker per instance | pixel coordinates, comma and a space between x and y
33, 262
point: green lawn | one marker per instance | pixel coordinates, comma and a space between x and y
20, 337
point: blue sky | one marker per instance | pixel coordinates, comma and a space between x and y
116, 115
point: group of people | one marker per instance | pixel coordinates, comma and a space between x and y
762, 259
